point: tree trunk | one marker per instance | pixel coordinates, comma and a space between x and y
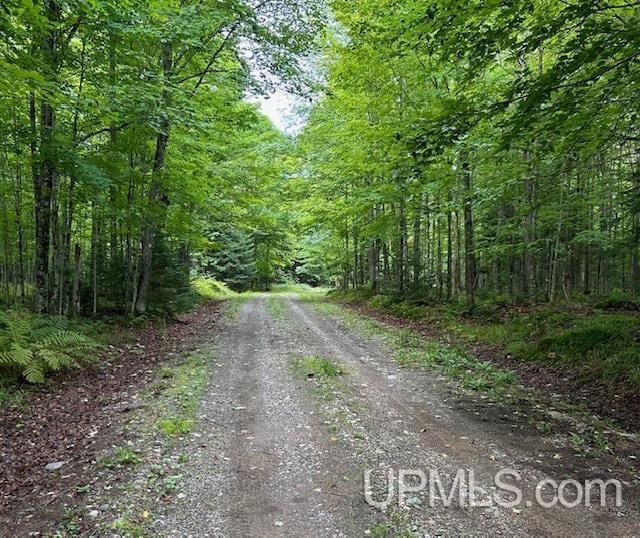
556, 250
403, 250
43, 194
157, 199
94, 259
635, 224
44, 181
75, 293
19, 233
374, 255
449, 257
438, 225
528, 262
469, 247
417, 265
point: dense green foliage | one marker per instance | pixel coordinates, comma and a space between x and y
31, 346
126, 138
479, 147
482, 153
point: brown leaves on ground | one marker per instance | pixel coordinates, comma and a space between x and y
74, 414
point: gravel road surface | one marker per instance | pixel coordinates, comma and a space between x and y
278, 454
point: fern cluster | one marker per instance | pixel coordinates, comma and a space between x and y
34, 345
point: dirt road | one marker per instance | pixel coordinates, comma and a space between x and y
278, 454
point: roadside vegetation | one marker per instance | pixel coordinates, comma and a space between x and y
211, 289
599, 338
106, 220
412, 350
36, 346
485, 185
479, 379
32, 346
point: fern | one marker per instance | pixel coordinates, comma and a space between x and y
33, 373
6, 359
33, 346
63, 339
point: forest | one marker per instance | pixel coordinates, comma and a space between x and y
485, 153
480, 149
450, 150
129, 152
224, 223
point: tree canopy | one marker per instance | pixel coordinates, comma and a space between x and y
450, 149
479, 146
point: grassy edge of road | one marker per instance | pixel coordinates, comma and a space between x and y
554, 418
597, 338
132, 480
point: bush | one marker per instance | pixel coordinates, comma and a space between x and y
618, 300
31, 346
407, 310
606, 343
381, 301
209, 288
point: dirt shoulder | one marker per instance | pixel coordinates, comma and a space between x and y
75, 416
621, 406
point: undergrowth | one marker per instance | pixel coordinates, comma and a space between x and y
32, 346
600, 336
211, 289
